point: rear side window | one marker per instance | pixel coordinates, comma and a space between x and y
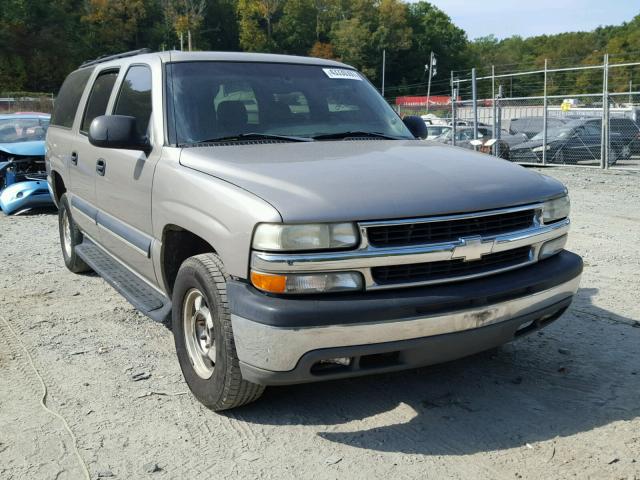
98, 98
623, 125
134, 98
64, 110
593, 128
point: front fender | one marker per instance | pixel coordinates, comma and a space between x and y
217, 211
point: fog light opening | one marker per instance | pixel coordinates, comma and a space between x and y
331, 365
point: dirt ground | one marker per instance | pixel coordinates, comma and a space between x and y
563, 403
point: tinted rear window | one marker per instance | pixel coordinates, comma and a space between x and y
64, 110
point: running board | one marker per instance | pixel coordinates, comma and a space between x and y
146, 299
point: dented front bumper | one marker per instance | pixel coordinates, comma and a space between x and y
283, 340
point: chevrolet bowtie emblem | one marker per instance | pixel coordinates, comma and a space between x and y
472, 248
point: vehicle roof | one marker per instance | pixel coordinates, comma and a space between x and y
9, 116
179, 56
580, 121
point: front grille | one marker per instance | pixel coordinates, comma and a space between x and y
449, 230
449, 269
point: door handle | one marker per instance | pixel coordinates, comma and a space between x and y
74, 158
101, 166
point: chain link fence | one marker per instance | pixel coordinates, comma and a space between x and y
586, 116
12, 102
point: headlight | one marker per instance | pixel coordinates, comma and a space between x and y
540, 148
306, 282
315, 236
557, 209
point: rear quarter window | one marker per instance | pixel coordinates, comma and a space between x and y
66, 104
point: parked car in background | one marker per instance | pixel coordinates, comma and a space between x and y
572, 142
433, 119
22, 167
436, 130
629, 134
464, 136
531, 126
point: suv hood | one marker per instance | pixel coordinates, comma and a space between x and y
371, 179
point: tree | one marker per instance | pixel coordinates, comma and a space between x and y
295, 31
256, 22
185, 16
322, 50
113, 24
350, 40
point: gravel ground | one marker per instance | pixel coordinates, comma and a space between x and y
562, 403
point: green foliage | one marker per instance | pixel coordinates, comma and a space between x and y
41, 41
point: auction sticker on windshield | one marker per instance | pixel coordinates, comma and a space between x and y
342, 73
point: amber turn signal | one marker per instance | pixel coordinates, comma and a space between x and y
269, 282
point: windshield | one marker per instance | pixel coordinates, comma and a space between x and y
18, 129
555, 133
435, 131
222, 99
446, 135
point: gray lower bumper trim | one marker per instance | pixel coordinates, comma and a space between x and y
279, 349
394, 356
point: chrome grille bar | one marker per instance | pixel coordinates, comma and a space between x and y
366, 256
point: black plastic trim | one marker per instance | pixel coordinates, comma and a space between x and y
89, 210
158, 309
128, 234
107, 58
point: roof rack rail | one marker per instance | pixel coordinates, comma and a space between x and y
106, 58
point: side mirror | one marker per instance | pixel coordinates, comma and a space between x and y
416, 126
117, 131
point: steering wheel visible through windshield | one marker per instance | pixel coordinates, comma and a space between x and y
13, 130
217, 100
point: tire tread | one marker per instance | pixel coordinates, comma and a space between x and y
236, 391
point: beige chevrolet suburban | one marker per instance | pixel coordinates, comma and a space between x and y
291, 226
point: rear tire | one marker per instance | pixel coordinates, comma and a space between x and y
203, 336
613, 156
70, 238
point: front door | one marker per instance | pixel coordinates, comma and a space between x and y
123, 187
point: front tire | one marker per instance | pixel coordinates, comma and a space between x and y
204, 338
70, 238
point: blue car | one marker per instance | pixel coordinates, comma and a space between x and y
23, 182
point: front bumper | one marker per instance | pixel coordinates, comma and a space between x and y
282, 340
32, 194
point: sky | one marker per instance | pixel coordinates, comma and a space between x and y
504, 18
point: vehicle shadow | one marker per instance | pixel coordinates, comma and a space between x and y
578, 374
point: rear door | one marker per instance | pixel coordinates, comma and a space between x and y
124, 189
593, 138
82, 168
61, 136
576, 147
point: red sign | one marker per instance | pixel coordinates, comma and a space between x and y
410, 101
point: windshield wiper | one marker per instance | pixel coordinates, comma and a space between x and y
339, 135
253, 136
